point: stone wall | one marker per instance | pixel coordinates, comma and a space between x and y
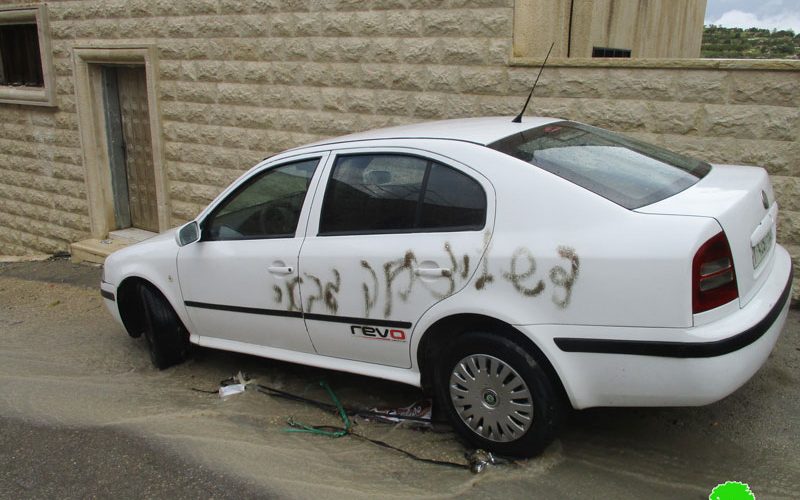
239, 80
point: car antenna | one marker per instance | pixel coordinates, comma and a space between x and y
518, 119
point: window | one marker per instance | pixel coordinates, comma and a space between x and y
19, 55
26, 70
628, 172
266, 206
452, 200
609, 52
399, 193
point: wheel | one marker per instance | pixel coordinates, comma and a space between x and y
497, 396
167, 338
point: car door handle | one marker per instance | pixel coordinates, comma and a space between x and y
432, 272
280, 269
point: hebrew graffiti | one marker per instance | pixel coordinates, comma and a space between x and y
400, 280
369, 297
518, 278
561, 278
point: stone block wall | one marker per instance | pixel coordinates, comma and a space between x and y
242, 79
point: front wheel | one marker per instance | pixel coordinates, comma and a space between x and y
497, 396
167, 338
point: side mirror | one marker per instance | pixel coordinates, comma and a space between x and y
188, 233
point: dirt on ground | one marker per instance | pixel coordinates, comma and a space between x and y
83, 413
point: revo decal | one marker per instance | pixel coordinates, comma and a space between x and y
375, 333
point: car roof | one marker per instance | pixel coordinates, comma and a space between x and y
481, 131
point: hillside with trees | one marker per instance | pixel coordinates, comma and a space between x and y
751, 43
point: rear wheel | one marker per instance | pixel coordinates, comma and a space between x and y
498, 396
167, 338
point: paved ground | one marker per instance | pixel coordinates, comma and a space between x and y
82, 414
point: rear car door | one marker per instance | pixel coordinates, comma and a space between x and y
393, 232
239, 282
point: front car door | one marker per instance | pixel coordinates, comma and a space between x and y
393, 232
240, 281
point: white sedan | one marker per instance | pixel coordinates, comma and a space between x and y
511, 269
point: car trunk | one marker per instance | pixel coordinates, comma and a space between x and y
733, 196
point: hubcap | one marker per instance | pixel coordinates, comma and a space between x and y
491, 398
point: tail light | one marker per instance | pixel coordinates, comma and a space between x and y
713, 275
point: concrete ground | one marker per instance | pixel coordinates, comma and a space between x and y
83, 414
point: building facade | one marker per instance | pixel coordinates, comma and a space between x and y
144, 110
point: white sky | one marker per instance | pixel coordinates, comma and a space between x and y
770, 14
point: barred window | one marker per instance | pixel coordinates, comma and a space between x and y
26, 61
610, 52
20, 56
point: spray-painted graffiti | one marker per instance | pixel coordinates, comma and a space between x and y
326, 293
486, 277
331, 289
293, 294
392, 270
370, 297
517, 278
561, 278
402, 276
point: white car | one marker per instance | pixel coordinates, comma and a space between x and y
509, 268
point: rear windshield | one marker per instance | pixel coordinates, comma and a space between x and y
628, 172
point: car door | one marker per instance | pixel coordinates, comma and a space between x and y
239, 282
393, 232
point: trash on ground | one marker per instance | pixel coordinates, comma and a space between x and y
234, 385
479, 459
324, 430
417, 414
230, 390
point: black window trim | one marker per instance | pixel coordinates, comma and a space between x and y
208, 219
430, 161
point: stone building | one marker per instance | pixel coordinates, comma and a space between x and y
143, 110
609, 28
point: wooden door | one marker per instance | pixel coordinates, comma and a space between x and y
135, 119
130, 147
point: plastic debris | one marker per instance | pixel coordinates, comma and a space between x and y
234, 385
230, 390
417, 414
479, 459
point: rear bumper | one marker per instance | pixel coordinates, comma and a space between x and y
620, 366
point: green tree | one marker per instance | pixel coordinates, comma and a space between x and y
732, 490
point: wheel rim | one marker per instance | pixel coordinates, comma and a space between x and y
491, 398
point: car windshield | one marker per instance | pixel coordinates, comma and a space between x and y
628, 172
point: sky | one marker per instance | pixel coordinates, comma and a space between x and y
770, 14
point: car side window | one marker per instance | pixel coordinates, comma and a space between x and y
389, 193
452, 200
266, 206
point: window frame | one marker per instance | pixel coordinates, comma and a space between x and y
430, 161
248, 180
33, 96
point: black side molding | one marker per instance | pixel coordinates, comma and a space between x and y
680, 349
357, 321
297, 314
246, 310
107, 295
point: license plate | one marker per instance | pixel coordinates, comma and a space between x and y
761, 249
